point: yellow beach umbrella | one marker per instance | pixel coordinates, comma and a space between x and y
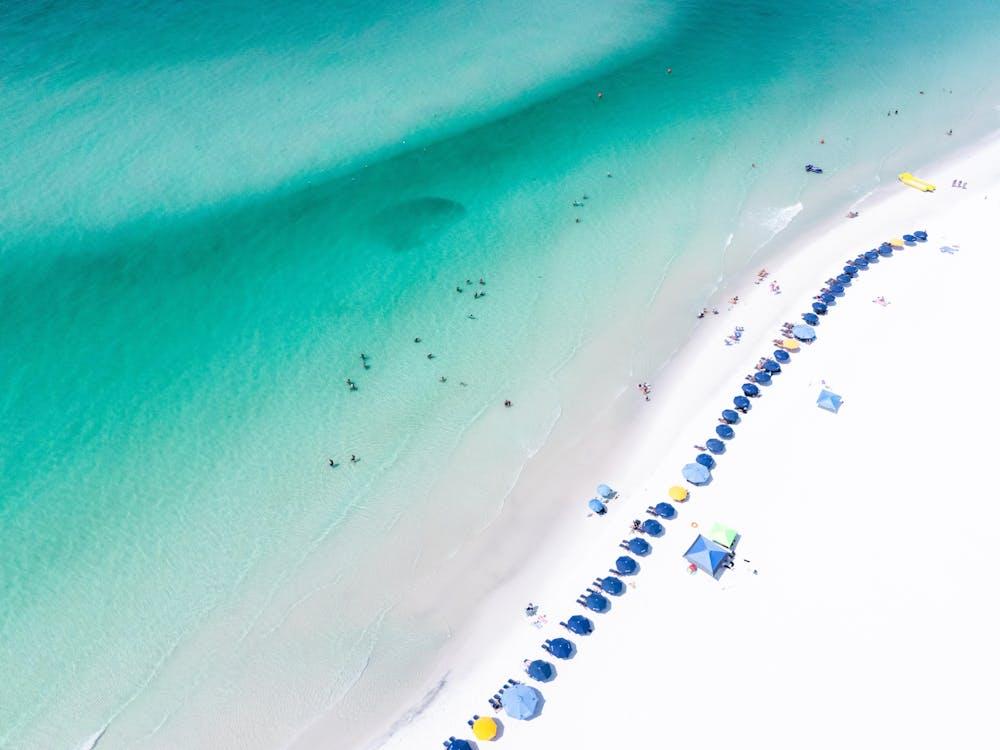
896, 242
790, 344
484, 728
679, 494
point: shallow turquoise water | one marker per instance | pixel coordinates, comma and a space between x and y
208, 215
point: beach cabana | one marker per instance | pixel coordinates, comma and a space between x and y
715, 446
606, 492
731, 417
707, 555
920, 235
722, 534
740, 402
638, 546
791, 345
749, 389
626, 566
803, 333
829, 400
613, 586
696, 473
582, 625
597, 603
782, 356
665, 510
597, 506
680, 494
541, 670
764, 378
484, 728
810, 319
521, 701
725, 431
819, 308
561, 648
771, 366
652, 527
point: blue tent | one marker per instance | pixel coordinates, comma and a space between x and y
597, 603
771, 366
459, 745
871, 256
725, 431
707, 555
811, 319
741, 402
920, 235
696, 473
749, 389
520, 702
582, 625
561, 648
715, 446
604, 491
652, 527
803, 333
829, 400
541, 670
638, 546
732, 417
666, 510
626, 565
851, 271
819, 308
838, 288
782, 356
828, 299
596, 505
613, 586
909, 239
885, 251
762, 377
705, 460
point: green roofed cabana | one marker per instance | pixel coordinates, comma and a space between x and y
723, 535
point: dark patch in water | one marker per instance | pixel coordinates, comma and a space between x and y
412, 223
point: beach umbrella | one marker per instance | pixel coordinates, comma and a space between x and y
828, 299
696, 473
885, 251
811, 319
819, 308
638, 546
741, 402
562, 648
604, 491
541, 670
597, 603
861, 262
829, 400
626, 565
851, 271
838, 289
582, 625
803, 333
460, 745
680, 494
791, 345
521, 701
596, 505
652, 527
665, 510
705, 460
782, 356
844, 279
484, 728
872, 256
613, 586
771, 366
730, 416
920, 235
764, 378
715, 446
707, 555
909, 239
725, 431
722, 534
895, 242
749, 389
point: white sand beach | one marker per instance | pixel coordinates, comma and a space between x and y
861, 608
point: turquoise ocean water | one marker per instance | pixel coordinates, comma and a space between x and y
207, 213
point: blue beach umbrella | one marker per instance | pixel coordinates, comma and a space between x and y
829, 400
909, 239
597, 506
732, 417
861, 262
782, 356
851, 271
561, 648
460, 745
626, 565
596, 603
844, 279
582, 625
541, 670
837, 289
696, 473
819, 308
520, 702
885, 251
749, 389
725, 431
803, 333
652, 527
828, 299
811, 319
741, 402
920, 235
715, 446
707, 555
666, 510
872, 256
705, 460
638, 546
604, 491
613, 586
771, 366
762, 377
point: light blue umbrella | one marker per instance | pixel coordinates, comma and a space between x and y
803, 333
521, 701
696, 473
596, 505
604, 491
829, 400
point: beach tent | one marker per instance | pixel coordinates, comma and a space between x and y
597, 603
696, 473
652, 527
819, 308
764, 378
680, 494
638, 546
749, 389
920, 235
782, 356
810, 318
715, 446
665, 510
596, 505
459, 745
829, 400
521, 701
561, 648
606, 492
626, 565
771, 366
741, 402
803, 333
484, 728
582, 625
724, 431
723, 535
541, 670
732, 417
613, 586
705, 460
707, 555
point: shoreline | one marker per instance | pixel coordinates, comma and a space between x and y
634, 479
